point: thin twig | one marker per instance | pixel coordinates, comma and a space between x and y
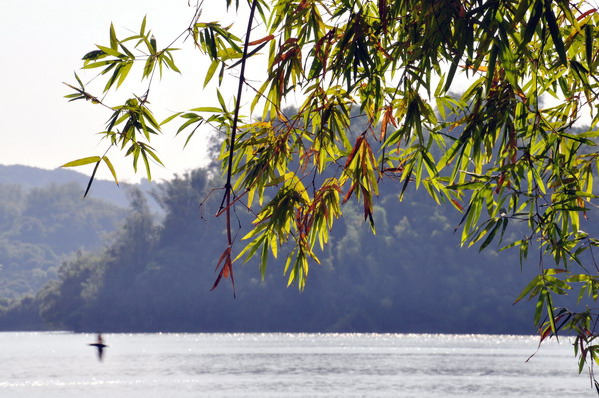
227, 267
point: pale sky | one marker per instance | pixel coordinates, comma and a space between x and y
42, 44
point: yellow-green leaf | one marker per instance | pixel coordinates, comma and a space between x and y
83, 161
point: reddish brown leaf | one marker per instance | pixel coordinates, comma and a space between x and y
262, 40
586, 13
393, 170
545, 333
500, 182
387, 118
349, 193
354, 150
457, 204
226, 269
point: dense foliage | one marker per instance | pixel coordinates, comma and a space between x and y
42, 227
525, 76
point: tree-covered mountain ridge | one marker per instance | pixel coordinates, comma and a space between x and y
28, 177
34, 177
44, 220
154, 273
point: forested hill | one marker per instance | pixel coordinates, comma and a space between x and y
41, 227
27, 177
155, 274
44, 220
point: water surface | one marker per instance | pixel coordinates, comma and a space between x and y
287, 365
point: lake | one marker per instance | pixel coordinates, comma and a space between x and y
287, 365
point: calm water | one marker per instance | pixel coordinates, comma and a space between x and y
286, 365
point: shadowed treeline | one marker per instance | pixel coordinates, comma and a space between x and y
155, 274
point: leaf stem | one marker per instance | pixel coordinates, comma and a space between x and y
227, 267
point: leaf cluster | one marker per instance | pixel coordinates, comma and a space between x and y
131, 125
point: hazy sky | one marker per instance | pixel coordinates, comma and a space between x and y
42, 44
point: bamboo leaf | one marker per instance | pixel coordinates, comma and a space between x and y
209, 109
111, 168
210, 72
170, 118
123, 72
490, 236
114, 43
555, 33
142, 29
111, 51
588, 37
532, 285
83, 161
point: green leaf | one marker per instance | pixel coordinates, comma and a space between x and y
506, 56
221, 101
79, 81
126, 50
142, 29
264, 258
170, 118
149, 67
154, 156
98, 64
114, 43
111, 168
490, 236
110, 51
454, 65
531, 287
550, 314
210, 72
147, 165
491, 66
555, 33
210, 109
533, 22
588, 36
123, 72
168, 59
540, 306
83, 161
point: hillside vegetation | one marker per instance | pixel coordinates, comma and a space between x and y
155, 274
41, 227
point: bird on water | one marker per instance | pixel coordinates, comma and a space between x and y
100, 346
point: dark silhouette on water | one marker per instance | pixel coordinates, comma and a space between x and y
100, 346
